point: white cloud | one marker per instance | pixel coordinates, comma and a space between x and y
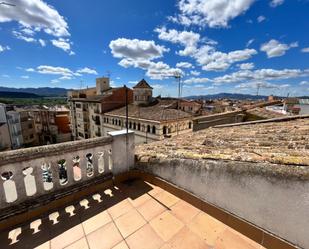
35, 14
249, 42
136, 49
5, 76
87, 70
246, 66
273, 48
42, 42
184, 65
218, 61
194, 80
188, 39
206, 55
304, 82
259, 75
275, 3
261, 19
25, 77
212, 13
30, 70
160, 70
157, 86
20, 36
132, 82
195, 73
64, 44
4, 48
54, 81
44, 69
305, 50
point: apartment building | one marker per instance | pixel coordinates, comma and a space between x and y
30, 136
5, 140
88, 105
14, 125
152, 119
52, 124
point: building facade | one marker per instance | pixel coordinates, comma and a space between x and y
88, 105
151, 119
52, 124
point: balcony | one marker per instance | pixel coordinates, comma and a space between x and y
92, 194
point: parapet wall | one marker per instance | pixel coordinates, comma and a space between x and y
270, 196
204, 122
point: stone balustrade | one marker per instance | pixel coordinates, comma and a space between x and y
34, 173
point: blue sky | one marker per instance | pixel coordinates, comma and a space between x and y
216, 45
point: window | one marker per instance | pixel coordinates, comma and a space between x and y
134, 126
139, 126
148, 128
31, 136
30, 126
190, 124
130, 125
164, 130
153, 129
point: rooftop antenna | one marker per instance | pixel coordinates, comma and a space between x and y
81, 84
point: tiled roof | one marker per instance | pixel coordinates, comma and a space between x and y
263, 113
162, 111
142, 84
282, 142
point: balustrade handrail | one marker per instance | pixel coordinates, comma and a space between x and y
25, 154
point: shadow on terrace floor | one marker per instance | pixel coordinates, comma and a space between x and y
46, 227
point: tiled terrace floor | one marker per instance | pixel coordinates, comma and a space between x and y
135, 215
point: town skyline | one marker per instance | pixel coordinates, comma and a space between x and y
233, 48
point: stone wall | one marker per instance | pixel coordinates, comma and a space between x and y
204, 122
271, 196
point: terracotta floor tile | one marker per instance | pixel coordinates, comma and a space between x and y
46, 245
139, 200
184, 211
155, 189
230, 239
150, 209
80, 244
185, 239
144, 238
105, 237
121, 245
120, 208
166, 198
67, 237
96, 222
207, 227
129, 222
166, 225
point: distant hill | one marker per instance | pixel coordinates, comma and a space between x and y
4, 94
41, 91
238, 96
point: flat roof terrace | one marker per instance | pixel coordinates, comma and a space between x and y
133, 214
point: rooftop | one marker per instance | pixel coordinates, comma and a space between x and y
279, 141
142, 84
264, 113
162, 110
133, 214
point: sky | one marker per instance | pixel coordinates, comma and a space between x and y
235, 46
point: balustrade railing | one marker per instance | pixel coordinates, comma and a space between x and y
35, 172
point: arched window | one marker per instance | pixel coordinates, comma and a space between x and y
139, 126
148, 128
164, 130
130, 125
153, 129
190, 124
134, 126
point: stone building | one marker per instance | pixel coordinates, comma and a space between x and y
52, 124
151, 119
88, 105
5, 141
30, 136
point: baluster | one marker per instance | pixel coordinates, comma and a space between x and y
70, 173
54, 168
83, 166
18, 178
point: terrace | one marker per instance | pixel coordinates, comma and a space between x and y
180, 193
